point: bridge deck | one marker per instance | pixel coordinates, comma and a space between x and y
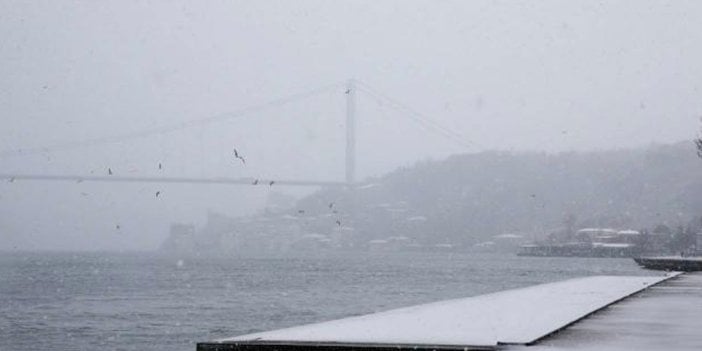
182, 180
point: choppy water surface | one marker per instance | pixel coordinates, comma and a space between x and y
110, 301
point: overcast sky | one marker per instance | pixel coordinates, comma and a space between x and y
547, 75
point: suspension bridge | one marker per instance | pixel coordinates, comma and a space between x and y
350, 88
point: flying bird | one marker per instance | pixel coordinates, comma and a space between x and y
159, 165
158, 193
109, 171
255, 182
331, 204
271, 183
338, 222
117, 226
300, 211
12, 179
236, 155
348, 91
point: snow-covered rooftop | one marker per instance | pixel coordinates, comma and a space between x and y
509, 236
367, 186
597, 230
377, 242
315, 236
613, 245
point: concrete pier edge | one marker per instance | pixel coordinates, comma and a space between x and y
671, 275
264, 345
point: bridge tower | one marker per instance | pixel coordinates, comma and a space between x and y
350, 132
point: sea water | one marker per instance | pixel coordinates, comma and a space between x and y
151, 301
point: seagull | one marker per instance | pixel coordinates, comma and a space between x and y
109, 171
158, 193
236, 154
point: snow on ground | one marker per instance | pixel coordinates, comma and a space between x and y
664, 317
514, 316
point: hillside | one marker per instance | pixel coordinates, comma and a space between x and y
468, 198
471, 198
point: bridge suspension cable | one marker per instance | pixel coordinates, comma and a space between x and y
350, 88
422, 120
173, 127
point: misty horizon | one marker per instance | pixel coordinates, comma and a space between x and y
537, 77
351, 174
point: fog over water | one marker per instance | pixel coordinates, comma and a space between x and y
519, 76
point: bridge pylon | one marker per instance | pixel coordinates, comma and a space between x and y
350, 132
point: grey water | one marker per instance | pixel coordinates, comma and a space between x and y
150, 301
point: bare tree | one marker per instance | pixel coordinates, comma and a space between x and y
698, 144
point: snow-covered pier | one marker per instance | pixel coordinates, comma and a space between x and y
667, 316
550, 316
